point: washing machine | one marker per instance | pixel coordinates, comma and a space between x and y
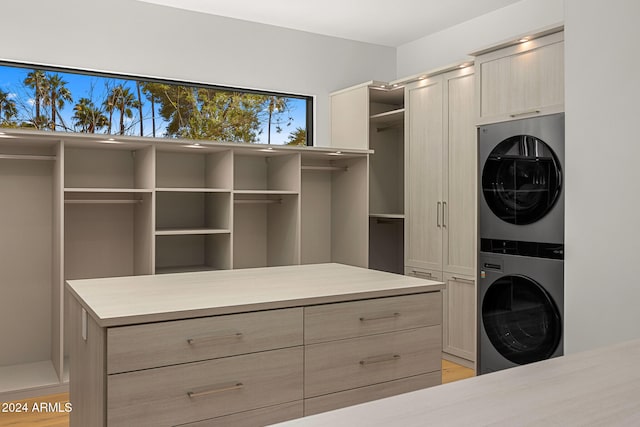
520, 306
521, 184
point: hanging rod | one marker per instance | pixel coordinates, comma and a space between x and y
254, 201
325, 168
25, 157
103, 201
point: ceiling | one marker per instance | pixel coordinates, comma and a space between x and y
387, 23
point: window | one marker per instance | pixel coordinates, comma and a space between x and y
63, 100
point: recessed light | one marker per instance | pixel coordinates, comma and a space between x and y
195, 145
395, 85
267, 150
109, 141
335, 153
422, 77
383, 86
524, 39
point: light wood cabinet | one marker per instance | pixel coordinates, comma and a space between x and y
520, 81
80, 206
254, 348
371, 115
459, 317
440, 235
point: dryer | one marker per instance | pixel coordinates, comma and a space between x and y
521, 184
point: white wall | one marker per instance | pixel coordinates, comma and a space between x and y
131, 37
453, 45
602, 91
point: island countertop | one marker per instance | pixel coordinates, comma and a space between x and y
140, 299
599, 387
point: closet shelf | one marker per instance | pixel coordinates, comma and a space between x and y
107, 190
190, 231
192, 190
388, 117
103, 201
388, 216
26, 157
267, 192
184, 269
324, 168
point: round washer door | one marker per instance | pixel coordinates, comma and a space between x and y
521, 179
521, 320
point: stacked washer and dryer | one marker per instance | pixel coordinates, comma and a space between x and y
521, 248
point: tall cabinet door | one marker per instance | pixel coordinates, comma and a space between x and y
459, 186
424, 144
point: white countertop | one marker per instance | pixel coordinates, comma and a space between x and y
596, 388
137, 299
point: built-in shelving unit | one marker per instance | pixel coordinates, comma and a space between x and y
386, 180
79, 206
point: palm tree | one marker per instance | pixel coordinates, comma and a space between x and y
122, 100
56, 96
275, 106
36, 80
7, 107
140, 108
88, 117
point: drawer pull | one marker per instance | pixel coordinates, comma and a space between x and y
379, 359
460, 279
227, 387
380, 317
194, 341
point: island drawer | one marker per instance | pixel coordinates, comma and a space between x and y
257, 417
196, 391
373, 316
342, 399
346, 364
131, 348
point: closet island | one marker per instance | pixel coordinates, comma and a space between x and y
249, 346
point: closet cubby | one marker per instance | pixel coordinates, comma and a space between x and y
386, 139
203, 169
266, 171
120, 166
179, 253
266, 230
107, 233
334, 201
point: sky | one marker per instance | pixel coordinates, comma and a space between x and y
82, 85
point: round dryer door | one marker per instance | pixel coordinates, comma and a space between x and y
521, 179
521, 320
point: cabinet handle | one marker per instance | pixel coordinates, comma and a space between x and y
523, 113
444, 214
380, 317
194, 341
438, 214
460, 279
422, 274
379, 359
222, 389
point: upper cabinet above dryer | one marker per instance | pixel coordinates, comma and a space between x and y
523, 80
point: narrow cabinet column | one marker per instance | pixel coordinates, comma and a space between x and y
424, 133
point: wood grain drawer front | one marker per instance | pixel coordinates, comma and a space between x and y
343, 399
358, 362
353, 319
195, 391
255, 418
131, 348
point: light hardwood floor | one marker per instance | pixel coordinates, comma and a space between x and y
450, 372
